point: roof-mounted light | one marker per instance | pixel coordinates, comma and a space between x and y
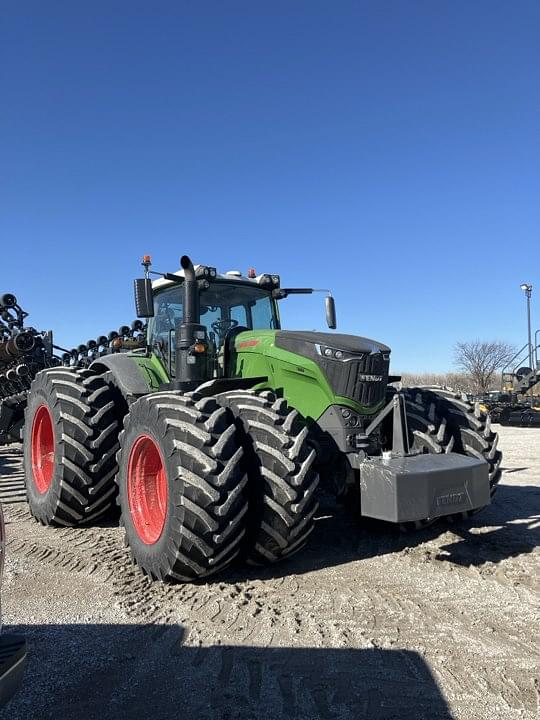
205, 272
269, 282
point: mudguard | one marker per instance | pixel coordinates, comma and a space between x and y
132, 377
220, 385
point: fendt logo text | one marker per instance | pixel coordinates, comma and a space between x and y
451, 499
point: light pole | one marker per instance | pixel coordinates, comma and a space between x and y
527, 289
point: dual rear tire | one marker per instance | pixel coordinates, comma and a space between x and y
70, 442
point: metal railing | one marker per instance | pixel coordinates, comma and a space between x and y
524, 354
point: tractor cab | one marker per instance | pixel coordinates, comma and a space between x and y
227, 306
195, 315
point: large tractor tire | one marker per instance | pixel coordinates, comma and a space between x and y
282, 481
441, 421
70, 443
454, 425
182, 489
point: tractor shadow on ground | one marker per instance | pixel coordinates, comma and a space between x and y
508, 528
338, 538
512, 525
133, 672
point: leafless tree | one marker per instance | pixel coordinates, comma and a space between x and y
480, 359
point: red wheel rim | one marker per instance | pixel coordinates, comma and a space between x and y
148, 490
42, 449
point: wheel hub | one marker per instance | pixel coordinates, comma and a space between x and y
147, 489
42, 449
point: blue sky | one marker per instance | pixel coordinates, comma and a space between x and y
388, 150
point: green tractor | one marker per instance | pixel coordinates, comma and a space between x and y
215, 436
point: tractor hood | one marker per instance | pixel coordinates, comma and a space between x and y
295, 340
356, 368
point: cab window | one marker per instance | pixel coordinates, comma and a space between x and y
223, 306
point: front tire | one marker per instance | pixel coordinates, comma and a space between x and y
279, 463
181, 486
457, 425
441, 421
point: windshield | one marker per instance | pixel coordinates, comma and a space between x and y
224, 305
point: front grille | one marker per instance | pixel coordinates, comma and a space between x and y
348, 379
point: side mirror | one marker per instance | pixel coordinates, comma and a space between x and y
330, 312
144, 298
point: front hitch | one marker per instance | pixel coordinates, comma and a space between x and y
400, 432
402, 486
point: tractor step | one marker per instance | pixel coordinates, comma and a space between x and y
418, 487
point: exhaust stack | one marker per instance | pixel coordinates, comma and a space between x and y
192, 367
191, 294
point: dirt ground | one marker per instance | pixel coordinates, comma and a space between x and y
365, 623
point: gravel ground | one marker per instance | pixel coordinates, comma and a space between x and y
365, 623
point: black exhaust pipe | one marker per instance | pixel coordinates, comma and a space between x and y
191, 343
191, 294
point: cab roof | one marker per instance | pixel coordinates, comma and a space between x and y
230, 276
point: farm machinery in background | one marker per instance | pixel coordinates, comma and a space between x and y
25, 351
214, 435
516, 403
